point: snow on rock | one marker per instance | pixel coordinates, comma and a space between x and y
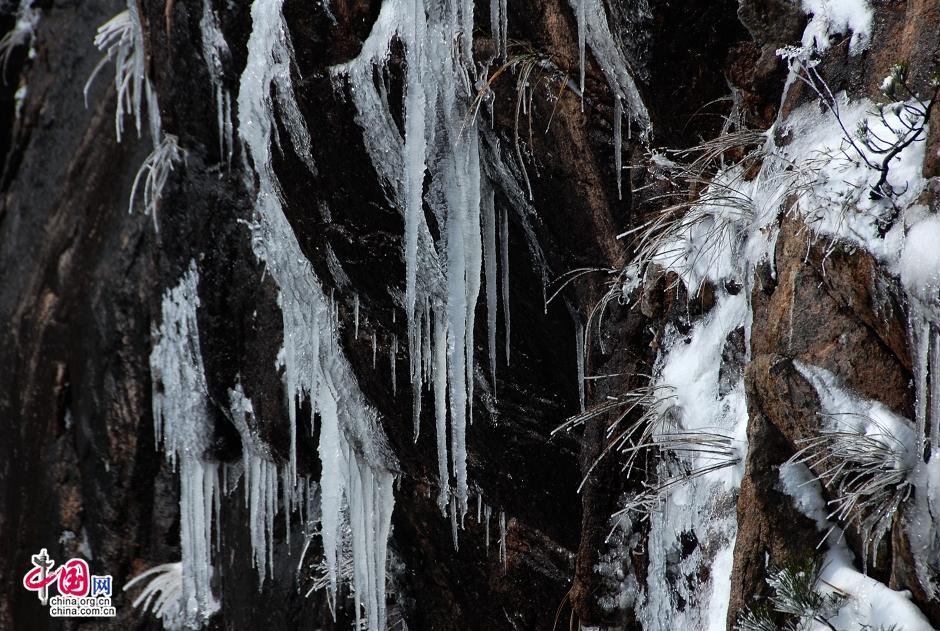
845, 411
869, 603
700, 506
838, 17
356, 463
920, 261
182, 424
834, 184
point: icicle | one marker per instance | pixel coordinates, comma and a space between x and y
921, 338
466, 35
594, 32
393, 357
214, 49
496, 25
489, 256
582, 43
504, 265
474, 245
935, 391
456, 343
453, 521
426, 353
182, 424
374, 349
259, 474
504, 11
356, 316
487, 511
579, 349
417, 366
312, 358
197, 481
479, 506
618, 142
502, 539
443, 275
440, 407
332, 486
287, 492
415, 147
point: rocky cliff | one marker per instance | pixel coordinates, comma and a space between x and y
294, 297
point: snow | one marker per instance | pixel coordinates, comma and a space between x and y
868, 601
920, 261
702, 432
838, 17
845, 411
859, 440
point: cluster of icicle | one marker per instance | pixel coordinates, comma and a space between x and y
443, 139
921, 279
356, 482
182, 425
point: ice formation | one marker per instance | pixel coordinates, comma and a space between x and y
594, 34
357, 465
443, 280
471, 189
22, 33
161, 594
214, 51
121, 39
158, 166
261, 480
182, 425
870, 604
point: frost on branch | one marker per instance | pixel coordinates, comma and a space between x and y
121, 39
22, 33
162, 594
158, 166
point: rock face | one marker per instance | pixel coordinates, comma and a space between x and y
82, 280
